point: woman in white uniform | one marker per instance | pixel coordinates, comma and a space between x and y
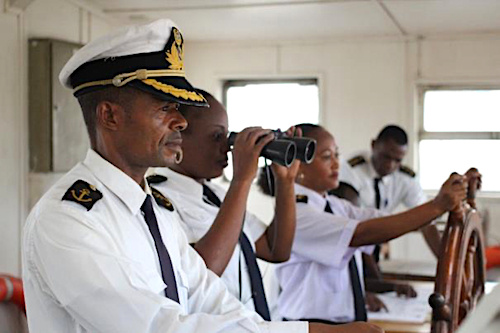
216, 221
323, 280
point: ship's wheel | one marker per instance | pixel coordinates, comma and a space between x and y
461, 270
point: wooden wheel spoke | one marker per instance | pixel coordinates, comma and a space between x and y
460, 270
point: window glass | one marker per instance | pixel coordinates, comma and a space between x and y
462, 111
439, 158
271, 105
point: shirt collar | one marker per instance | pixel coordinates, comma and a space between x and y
181, 183
118, 182
313, 197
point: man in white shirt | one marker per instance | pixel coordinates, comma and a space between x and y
99, 255
383, 182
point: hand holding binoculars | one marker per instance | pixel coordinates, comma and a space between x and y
284, 149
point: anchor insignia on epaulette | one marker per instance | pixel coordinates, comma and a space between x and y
83, 193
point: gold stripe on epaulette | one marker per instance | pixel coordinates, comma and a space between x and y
301, 198
356, 161
406, 170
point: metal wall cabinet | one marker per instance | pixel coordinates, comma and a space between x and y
57, 133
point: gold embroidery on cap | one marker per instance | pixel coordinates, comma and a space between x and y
176, 92
177, 36
175, 56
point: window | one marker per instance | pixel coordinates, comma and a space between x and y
460, 128
270, 104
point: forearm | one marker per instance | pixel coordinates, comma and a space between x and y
378, 286
279, 235
372, 270
433, 238
216, 247
383, 229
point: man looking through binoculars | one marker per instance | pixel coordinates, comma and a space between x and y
216, 221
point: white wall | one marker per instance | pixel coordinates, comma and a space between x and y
42, 18
364, 85
13, 139
13, 151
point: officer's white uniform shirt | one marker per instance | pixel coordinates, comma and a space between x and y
197, 217
315, 281
395, 189
98, 270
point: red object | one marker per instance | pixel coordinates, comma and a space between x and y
492, 256
11, 290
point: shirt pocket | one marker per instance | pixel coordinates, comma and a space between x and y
183, 288
333, 279
149, 280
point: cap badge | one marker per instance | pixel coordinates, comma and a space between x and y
175, 56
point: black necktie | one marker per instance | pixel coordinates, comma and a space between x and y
167, 272
258, 294
376, 181
357, 291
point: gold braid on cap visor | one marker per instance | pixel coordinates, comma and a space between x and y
146, 77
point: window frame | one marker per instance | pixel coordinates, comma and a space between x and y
431, 135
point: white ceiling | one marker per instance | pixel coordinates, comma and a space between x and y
311, 19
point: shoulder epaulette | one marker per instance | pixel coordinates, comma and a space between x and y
162, 200
156, 179
301, 198
406, 170
83, 193
357, 160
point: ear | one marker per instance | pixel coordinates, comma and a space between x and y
300, 174
373, 144
109, 115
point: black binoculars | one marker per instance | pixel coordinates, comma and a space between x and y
284, 149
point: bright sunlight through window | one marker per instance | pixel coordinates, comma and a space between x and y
461, 128
272, 105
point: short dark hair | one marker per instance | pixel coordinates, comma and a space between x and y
395, 133
89, 101
307, 128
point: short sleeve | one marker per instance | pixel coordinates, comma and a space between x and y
323, 237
